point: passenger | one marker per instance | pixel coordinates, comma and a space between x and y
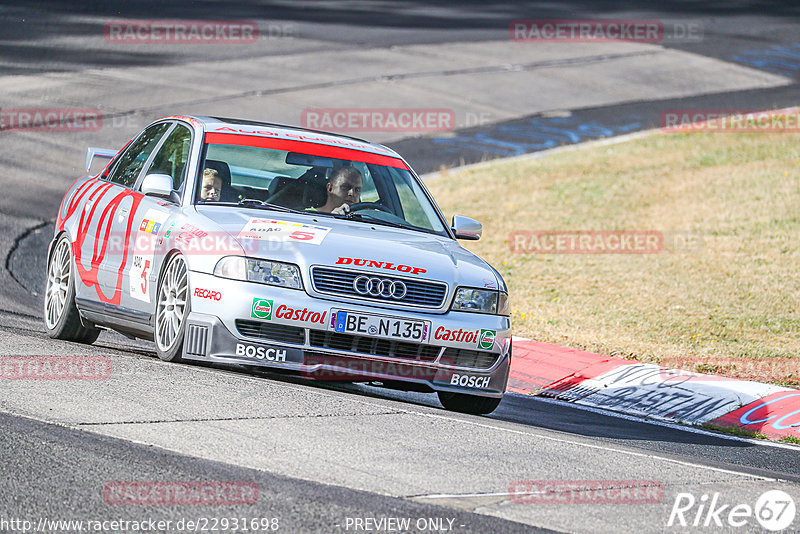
211, 187
344, 190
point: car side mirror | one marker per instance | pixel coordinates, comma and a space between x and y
466, 228
158, 185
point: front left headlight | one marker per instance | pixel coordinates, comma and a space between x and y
273, 273
480, 301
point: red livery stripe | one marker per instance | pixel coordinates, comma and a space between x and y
305, 147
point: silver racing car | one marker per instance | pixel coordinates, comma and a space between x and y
250, 243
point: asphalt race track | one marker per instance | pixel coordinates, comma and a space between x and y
338, 457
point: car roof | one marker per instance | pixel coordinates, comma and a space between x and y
283, 131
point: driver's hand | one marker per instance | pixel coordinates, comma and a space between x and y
341, 210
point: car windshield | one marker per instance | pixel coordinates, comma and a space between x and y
303, 181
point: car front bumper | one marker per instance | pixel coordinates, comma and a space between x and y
224, 328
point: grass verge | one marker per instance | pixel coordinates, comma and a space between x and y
724, 295
734, 430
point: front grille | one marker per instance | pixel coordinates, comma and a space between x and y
273, 332
373, 346
475, 359
339, 282
196, 340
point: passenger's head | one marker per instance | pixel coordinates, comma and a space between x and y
344, 187
211, 186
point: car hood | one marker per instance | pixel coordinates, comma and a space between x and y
356, 246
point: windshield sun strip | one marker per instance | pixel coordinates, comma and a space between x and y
305, 147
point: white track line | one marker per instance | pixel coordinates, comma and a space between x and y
659, 422
649, 456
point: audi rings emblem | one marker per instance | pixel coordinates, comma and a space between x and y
379, 287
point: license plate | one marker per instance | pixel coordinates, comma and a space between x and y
380, 326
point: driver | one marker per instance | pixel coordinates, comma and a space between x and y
211, 186
344, 190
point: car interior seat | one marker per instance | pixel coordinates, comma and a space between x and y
315, 190
286, 191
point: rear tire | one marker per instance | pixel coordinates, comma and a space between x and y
61, 316
472, 404
172, 309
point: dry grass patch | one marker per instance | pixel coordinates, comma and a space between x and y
732, 307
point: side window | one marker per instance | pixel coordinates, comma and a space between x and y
171, 158
130, 164
417, 214
368, 191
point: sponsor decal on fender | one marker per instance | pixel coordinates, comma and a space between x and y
260, 353
262, 309
188, 233
151, 227
483, 339
144, 248
207, 294
170, 229
380, 265
469, 381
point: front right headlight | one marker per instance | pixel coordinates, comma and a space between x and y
273, 273
480, 301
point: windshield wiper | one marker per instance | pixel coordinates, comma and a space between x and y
262, 204
372, 219
255, 203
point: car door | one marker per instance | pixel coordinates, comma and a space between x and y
151, 217
102, 238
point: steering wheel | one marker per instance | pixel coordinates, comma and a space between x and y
358, 206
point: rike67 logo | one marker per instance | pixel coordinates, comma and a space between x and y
262, 309
774, 510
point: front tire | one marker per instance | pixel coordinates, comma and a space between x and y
172, 309
472, 404
61, 316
